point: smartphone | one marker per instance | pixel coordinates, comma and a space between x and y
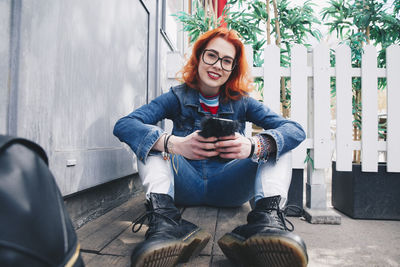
212, 126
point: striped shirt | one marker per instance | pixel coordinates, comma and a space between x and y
209, 104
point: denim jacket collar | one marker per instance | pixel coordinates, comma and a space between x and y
191, 99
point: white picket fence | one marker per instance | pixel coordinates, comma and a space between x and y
310, 103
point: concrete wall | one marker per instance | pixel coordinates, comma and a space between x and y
69, 70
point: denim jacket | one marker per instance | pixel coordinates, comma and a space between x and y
181, 105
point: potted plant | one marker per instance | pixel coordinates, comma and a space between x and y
360, 194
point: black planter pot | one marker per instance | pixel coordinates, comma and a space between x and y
366, 195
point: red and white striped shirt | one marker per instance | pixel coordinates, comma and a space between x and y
209, 104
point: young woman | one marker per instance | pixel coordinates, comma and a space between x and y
224, 172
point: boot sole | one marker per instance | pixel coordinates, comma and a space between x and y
170, 253
263, 250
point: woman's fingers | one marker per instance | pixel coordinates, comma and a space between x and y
202, 139
229, 137
236, 148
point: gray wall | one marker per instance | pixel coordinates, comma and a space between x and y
5, 8
68, 71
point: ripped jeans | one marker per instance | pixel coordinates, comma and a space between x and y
216, 183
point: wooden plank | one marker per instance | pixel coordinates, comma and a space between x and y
100, 232
299, 99
98, 240
272, 78
205, 218
228, 219
356, 72
393, 108
381, 145
90, 228
109, 260
221, 261
257, 72
249, 57
321, 107
344, 116
369, 99
199, 261
285, 72
95, 225
124, 243
86, 257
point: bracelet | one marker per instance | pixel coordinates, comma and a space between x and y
258, 149
166, 143
264, 147
271, 145
253, 146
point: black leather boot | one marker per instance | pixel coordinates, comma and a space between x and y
265, 240
169, 238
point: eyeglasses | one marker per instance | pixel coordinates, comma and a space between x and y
210, 57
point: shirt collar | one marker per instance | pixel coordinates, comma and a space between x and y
191, 99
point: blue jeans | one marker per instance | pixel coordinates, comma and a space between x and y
216, 183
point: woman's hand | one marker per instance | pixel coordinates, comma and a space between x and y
193, 146
233, 147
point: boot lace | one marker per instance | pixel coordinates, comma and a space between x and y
280, 216
150, 216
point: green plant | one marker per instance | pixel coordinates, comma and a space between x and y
249, 18
360, 22
197, 23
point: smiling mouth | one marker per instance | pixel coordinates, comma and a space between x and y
213, 75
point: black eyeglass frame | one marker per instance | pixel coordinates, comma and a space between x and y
219, 59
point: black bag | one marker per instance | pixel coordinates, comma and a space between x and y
35, 228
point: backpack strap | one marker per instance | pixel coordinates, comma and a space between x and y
7, 140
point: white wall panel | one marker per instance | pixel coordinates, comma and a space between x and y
81, 66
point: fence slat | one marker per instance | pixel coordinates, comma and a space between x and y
393, 108
343, 109
249, 57
369, 99
321, 107
272, 77
298, 113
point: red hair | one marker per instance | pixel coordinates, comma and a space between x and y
239, 82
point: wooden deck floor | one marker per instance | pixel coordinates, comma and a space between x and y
109, 241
